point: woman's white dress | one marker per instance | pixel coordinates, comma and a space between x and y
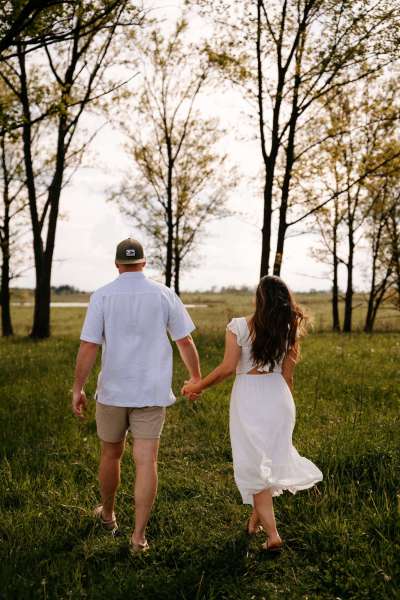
262, 419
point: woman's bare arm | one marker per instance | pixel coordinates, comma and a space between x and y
289, 364
224, 370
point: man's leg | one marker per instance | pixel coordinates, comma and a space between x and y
145, 456
109, 475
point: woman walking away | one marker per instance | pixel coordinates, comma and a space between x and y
263, 349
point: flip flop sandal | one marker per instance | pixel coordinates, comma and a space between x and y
110, 525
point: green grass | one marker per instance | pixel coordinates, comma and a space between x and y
342, 536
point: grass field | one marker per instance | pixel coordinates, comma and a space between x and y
342, 536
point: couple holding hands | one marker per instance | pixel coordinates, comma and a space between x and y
131, 318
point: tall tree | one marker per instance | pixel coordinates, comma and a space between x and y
19, 19
38, 22
384, 188
355, 159
13, 204
289, 55
394, 240
179, 180
72, 76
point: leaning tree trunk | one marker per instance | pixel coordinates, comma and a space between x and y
376, 302
43, 264
41, 318
395, 243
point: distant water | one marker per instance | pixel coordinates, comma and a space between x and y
85, 304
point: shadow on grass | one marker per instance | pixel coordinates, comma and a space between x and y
173, 571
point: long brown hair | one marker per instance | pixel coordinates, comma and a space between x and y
275, 323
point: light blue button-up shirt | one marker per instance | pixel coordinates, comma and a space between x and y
131, 318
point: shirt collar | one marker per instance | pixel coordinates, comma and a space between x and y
133, 274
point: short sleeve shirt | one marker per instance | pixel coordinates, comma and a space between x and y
131, 318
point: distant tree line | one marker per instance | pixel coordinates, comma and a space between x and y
319, 81
61, 290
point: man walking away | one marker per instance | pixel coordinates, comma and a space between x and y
131, 318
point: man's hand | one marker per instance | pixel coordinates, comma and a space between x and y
190, 357
84, 363
79, 402
192, 388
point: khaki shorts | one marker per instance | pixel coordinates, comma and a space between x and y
113, 422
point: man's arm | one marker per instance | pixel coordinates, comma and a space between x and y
190, 356
84, 364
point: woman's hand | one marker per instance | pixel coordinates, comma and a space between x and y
191, 390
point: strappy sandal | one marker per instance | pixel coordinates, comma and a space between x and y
137, 549
273, 549
258, 529
110, 525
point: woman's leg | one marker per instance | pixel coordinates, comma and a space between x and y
253, 522
264, 507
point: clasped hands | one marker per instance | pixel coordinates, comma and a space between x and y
191, 389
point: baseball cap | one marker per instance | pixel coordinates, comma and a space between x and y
129, 252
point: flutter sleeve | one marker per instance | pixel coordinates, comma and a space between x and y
233, 326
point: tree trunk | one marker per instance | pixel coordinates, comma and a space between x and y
267, 227
41, 316
376, 236
395, 242
170, 237
6, 323
375, 301
335, 286
177, 268
335, 277
281, 239
348, 305
177, 255
43, 254
170, 217
41, 319
268, 159
290, 159
369, 321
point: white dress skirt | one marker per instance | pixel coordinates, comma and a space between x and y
262, 419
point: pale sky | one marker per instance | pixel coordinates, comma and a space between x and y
229, 250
